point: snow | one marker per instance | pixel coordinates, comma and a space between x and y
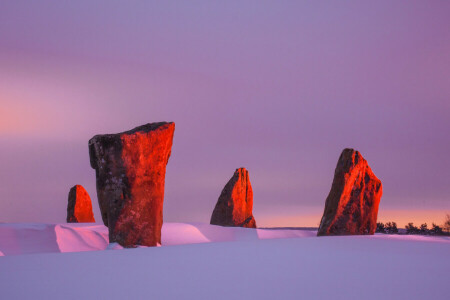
17, 239
114, 246
201, 261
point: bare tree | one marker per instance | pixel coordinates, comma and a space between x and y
424, 229
391, 228
380, 228
447, 223
436, 230
411, 229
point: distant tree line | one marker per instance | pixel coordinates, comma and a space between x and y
391, 228
423, 229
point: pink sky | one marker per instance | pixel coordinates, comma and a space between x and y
277, 87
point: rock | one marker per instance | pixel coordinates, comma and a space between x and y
235, 204
352, 205
79, 206
130, 169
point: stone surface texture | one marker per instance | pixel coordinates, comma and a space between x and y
351, 207
235, 204
130, 172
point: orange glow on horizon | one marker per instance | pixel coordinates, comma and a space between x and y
401, 217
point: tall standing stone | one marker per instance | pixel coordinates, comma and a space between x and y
130, 169
352, 205
235, 204
79, 206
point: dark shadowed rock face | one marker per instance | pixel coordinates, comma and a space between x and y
79, 206
235, 204
352, 204
130, 169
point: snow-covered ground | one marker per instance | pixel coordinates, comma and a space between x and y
16, 239
200, 261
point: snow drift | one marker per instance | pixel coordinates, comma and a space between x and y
16, 239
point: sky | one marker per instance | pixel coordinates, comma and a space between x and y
277, 87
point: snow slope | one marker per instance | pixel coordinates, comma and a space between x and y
16, 239
211, 262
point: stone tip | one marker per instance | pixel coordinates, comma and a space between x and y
149, 127
348, 150
350, 155
77, 186
142, 128
110, 138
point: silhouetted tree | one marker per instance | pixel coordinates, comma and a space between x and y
424, 229
380, 228
391, 228
436, 230
411, 229
447, 224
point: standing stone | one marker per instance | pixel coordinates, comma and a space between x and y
235, 204
352, 205
130, 168
79, 206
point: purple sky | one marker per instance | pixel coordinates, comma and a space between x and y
278, 87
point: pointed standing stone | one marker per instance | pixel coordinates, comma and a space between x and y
235, 204
352, 205
130, 169
79, 206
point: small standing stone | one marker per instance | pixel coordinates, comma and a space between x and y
235, 204
79, 206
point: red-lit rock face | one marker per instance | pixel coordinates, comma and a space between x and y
235, 204
130, 170
79, 206
352, 204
